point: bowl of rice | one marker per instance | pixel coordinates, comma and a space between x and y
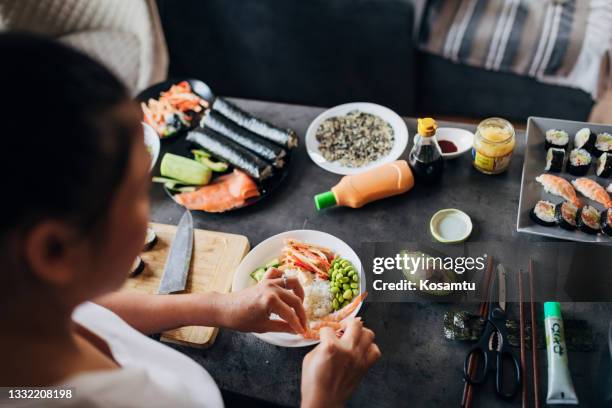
317, 296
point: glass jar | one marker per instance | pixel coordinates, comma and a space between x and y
493, 146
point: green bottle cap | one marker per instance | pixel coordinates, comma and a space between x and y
325, 200
552, 309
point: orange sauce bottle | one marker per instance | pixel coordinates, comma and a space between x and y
357, 190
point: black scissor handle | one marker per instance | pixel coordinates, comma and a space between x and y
480, 375
499, 375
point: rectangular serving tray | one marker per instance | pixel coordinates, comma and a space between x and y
533, 166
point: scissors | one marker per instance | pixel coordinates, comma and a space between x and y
492, 346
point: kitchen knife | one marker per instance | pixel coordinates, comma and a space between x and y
176, 269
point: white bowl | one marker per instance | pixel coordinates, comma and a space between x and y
463, 139
400, 133
271, 248
151, 139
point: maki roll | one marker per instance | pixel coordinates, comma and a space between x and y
565, 213
588, 219
284, 137
579, 162
606, 221
230, 151
585, 139
556, 138
604, 165
255, 143
544, 213
603, 144
555, 158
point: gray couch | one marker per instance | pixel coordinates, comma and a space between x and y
326, 52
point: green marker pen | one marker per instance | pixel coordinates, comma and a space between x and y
560, 387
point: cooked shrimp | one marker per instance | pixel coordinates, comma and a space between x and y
591, 189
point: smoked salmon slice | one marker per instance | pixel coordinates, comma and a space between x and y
559, 186
591, 189
224, 193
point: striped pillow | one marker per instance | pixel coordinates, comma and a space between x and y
556, 41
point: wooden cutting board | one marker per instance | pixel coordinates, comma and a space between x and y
214, 260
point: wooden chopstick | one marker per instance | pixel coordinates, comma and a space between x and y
468, 389
534, 338
522, 339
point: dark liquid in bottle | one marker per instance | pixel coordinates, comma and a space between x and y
426, 165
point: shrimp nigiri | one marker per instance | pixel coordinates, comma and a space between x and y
591, 189
559, 186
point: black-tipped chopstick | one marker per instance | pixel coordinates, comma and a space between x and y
522, 338
534, 338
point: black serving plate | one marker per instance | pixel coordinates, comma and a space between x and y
198, 87
182, 147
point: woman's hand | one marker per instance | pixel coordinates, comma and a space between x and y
333, 369
249, 310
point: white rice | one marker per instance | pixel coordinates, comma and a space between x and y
317, 297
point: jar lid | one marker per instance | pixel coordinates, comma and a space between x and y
450, 226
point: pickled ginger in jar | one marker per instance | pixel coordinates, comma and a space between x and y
493, 146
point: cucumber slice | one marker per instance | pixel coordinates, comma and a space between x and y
163, 180
184, 170
272, 264
258, 274
202, 157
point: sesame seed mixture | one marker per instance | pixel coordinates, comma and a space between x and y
355, 139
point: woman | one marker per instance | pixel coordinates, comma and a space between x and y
76, 177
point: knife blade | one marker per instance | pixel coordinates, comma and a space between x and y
502, 286
176, 269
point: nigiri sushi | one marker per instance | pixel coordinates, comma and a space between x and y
559, 186
591, 189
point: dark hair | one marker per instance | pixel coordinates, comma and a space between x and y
63, 152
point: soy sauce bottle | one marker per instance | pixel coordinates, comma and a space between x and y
425, 157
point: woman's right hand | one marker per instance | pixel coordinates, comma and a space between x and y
333, 369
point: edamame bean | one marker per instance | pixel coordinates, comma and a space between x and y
351, 272
334, 289
355, 278
348, 294
354, 285
345, 286
356, 292
345, 279
335, 304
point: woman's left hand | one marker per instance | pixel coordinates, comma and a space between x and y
249, 310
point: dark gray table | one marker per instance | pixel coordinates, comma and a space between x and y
418, 368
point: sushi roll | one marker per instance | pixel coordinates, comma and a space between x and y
255, 143
556, 138
588, 219
150, 239
603, 144
231, 152
606, 221
544, 213
579, 162
137, 267
284, 137
585, 139
555, 158
565, 214
604, 165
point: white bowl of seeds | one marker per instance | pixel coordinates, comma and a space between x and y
355, 137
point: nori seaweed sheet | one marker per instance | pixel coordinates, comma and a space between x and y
466, 326
265, 149
284, 137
